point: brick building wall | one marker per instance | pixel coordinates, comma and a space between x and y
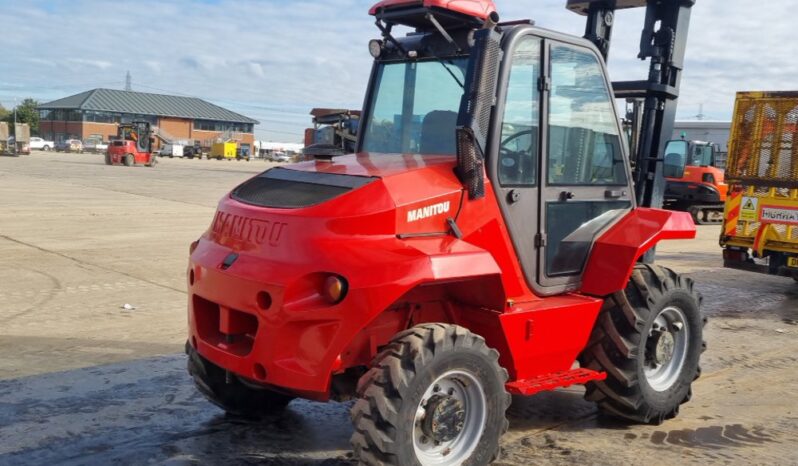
177, 128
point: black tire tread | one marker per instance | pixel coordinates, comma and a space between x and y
616, 342
375, 414
234, 397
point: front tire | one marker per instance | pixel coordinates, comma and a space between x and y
434, 395
233, 397
648, 339
129, 160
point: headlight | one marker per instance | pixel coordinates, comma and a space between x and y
375, 48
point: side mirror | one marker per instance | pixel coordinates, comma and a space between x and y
675, 158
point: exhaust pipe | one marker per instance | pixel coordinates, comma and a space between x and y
491, 21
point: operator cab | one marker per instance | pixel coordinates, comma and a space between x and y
549, 136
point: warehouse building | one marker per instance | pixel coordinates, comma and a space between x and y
98, 112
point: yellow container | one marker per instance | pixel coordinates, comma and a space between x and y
223, 150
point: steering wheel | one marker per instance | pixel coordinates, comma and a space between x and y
510, 160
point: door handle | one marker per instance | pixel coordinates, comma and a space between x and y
567, 195
614, 194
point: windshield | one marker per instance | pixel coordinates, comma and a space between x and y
702, 155
414, 107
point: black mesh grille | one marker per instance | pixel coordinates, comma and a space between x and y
470, 165
483, 75
476, 108
291, 189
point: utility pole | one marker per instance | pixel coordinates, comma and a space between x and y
15, 117
128, 84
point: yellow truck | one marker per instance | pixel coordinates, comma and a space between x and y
224, 150
760, 227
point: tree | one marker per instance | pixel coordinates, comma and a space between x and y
27, 112
3, 113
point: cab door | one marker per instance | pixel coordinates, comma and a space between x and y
515, 149
585, 174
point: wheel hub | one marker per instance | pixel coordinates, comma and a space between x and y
663, 350
444, 418
666, 348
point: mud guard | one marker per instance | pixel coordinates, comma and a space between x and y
617, 250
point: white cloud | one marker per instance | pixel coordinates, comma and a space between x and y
275, 60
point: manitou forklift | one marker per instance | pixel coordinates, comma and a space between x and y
132, 146
701, 190
490, 236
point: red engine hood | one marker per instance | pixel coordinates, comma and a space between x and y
411, 194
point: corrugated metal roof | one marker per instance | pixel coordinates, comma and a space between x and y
144, 103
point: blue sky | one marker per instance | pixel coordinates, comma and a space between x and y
274, 60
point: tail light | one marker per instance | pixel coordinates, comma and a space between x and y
334, 289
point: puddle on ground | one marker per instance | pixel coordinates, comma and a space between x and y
713, 437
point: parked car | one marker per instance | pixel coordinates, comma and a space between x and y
95, 145
279, 156
70, 145
41, 144
192, 151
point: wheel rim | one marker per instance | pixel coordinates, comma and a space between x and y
666, 348
450, 419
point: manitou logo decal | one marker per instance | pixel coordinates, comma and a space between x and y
248, 229
429, 211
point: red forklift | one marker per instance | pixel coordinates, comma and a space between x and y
132, 146
490, 236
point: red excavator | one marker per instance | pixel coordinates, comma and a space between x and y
490, 236
132, 146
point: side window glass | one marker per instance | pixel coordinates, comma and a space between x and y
584, 144
518, 152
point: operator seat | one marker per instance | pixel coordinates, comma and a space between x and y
437, 133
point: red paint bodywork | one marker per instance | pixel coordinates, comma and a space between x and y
286, 335
117, 153
476, 8
614, 254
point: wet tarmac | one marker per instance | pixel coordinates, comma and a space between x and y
148, 411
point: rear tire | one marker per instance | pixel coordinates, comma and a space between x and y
108, 159
46, 148
434, 388
129, 160
234, 397
657, 315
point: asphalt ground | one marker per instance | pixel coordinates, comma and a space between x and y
85, 381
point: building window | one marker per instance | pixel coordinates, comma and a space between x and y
222, 126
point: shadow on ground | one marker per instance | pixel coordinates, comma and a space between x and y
148, 411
